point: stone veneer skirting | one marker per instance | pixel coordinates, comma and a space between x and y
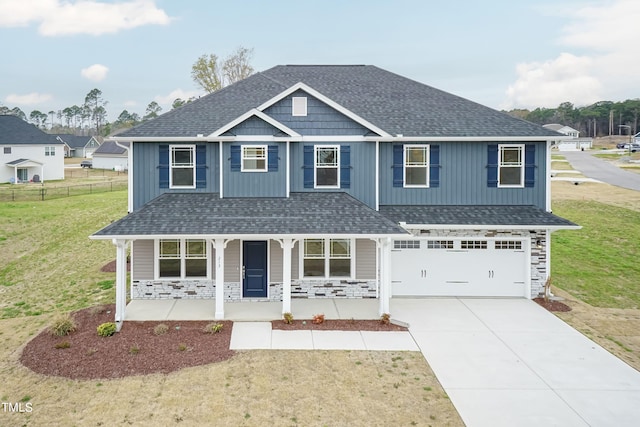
538, 254
307, 288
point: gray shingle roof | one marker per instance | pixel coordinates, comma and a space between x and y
475, 215
110, 148
396, 104
207, 214
15, 131
75, 141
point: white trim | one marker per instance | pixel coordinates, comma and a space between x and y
327, 258
242, 158
129, 151
315, 165
521, 148
288, 172
346, 138
404, 165
191, 147
299, 106
488, 227
221, 169
183, 248
268, 265
270, 236
258, 113
377, 176
548, 178
326, 100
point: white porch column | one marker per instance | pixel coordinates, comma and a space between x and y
121, 281
219, 244
385, 275
287, 246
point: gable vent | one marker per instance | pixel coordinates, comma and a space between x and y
299, 106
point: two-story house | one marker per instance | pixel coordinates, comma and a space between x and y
334, 182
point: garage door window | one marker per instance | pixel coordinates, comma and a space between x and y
508, 244
406, 244
440, 244
327, 258
473, 244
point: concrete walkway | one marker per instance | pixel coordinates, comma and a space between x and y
509, 362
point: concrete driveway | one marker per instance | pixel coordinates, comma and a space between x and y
509, 362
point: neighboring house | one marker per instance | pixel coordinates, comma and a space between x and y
636, 138
575, 143
79, 146
111, 155
334, 182
27, 154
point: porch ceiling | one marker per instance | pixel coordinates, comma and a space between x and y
206, 214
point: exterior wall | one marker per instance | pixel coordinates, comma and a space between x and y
53, 166
463, 179
253, 126
538, 254
146, 183
321, 119
362, 171
110, 162
255, 184
366, 259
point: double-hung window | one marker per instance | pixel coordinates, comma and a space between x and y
254, 158
49, 151
327, 166
510, 165
327, 258
416, 166
182, 164
182, 258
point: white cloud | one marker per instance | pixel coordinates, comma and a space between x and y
95, 72
606, 69
32, 98
56, 17
178, 93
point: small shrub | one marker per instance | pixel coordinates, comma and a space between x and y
288, 318
106, 329
318, 318
213, 328
62, 345
182, 347
385, 319
161, 329
62, 325
134, 349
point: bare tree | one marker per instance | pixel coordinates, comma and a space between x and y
207, 73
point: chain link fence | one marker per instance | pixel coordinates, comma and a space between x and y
40, 192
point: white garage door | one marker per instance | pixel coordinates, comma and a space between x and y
460, 267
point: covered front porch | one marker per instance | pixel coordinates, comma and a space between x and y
204, 309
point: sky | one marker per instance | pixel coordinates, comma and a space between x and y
504, 54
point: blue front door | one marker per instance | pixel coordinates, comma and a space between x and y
254, 269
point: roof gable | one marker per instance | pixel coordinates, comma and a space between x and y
15, 131
255, 119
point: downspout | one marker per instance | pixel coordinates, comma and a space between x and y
288, 166
129, 174
377, 176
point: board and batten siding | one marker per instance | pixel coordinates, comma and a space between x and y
255, 184
365, 259
321, 119
275, 261
146, 182
463, 179
362, 170
142, 260
232, 261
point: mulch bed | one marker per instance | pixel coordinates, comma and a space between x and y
135, 350
552, 305
336, 325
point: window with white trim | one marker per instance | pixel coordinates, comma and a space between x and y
406, 244
439, 244
182, 166
473, 244
299, 106
7, 150
416, 166
327, 166
508, 244
327, 258
254, 158
182, 258
510, 165
49, 151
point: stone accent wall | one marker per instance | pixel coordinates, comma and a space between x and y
173, 289
333, 288
538, 254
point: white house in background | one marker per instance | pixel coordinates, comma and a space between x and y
111, 155
27, 154
79, 146
575, 144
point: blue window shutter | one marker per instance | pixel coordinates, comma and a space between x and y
434, 166
529, 165
492, 165
308, 166
272, 154
398, 165
235, 158
163, 166
345, 166
201, 166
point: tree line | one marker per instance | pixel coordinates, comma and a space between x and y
604, 118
